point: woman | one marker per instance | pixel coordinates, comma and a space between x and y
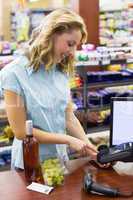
35, 87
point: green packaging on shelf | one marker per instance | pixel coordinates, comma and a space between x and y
83, 57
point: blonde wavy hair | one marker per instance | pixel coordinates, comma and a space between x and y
40, 50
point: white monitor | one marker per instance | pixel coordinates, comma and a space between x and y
121, 120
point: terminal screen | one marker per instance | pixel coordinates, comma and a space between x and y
122, 128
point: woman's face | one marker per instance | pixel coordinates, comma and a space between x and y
65, 44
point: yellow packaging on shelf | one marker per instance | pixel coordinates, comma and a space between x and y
130, 66
130, 87
114, 67
4, 141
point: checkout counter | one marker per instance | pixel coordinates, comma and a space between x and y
13, 185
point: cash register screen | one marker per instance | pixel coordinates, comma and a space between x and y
121, 120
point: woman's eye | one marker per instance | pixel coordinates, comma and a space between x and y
71, 44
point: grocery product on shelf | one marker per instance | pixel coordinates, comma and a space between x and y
7, 48
104, 55
6, 136
115, 26
76, 81
6, 52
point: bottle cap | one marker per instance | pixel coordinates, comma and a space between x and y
29, 127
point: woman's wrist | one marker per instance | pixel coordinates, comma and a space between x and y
68, 139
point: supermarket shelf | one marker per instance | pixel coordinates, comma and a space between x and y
109, 84
105, 84
95, 108
46, 10
99, 108
5, 167
3, 121
5, 148
99, 128
6, 54
112, 62
105, 133
112, 10
77, 88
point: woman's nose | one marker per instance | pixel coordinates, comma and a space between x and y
72, 51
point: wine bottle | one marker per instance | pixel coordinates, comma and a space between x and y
32, 167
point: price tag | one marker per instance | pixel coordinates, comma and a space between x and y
105, 62
130, 60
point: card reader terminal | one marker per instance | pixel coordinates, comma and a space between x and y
122, 152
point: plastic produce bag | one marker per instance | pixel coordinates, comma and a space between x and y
124, 168
72, 165
52, 172
69, 165
55, 169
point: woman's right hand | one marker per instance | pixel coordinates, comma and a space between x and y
82, 147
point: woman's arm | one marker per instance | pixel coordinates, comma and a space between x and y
75, 129
17, 119
73, 125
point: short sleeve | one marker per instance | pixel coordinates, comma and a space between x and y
10, 82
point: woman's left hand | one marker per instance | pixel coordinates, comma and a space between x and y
105, 166
102, 166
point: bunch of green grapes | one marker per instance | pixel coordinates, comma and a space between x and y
52, 172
